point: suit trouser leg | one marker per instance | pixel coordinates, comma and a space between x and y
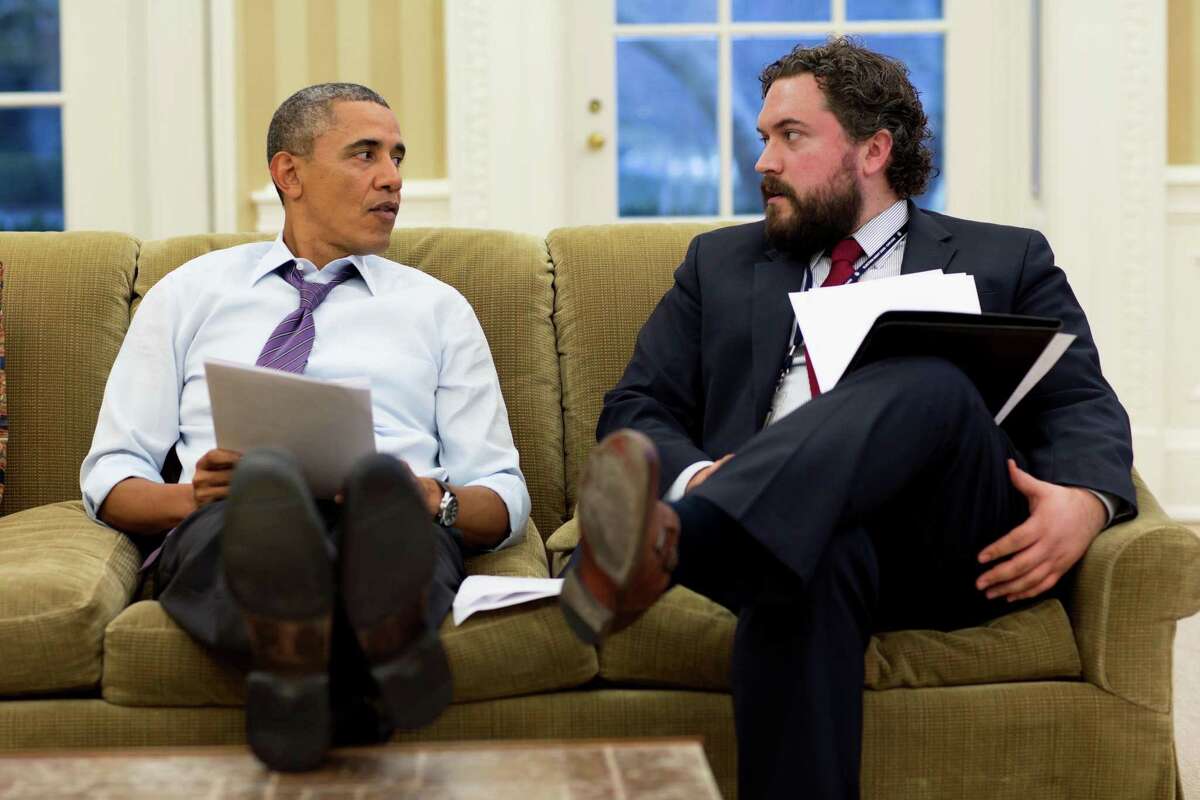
876, 498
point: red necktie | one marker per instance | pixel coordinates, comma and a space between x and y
843, 256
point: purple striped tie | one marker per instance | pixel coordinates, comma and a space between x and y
290, 344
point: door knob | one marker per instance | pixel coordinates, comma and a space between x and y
596, 140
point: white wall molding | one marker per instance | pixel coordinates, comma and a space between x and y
135, 116
504, 112
422, 203
1104, 194
1181, 495
222, 101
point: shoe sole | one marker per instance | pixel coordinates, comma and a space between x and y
278, 570
616, 499
387, 558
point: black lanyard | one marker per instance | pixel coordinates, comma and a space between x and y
796, 338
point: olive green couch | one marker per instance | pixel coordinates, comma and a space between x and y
1044, 703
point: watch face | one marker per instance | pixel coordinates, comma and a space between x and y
449, 509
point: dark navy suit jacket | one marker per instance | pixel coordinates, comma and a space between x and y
706, 362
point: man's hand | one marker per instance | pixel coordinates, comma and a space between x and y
705, 473
432, 493
1063, 521
214, 471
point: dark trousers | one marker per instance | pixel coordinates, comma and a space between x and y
190, 584
864, 510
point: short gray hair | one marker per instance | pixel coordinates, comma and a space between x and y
308, 113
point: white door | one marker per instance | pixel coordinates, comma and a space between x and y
662, 99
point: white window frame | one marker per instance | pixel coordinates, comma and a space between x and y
517, 106
22, 100
725, 29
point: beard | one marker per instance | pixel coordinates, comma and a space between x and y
816, 222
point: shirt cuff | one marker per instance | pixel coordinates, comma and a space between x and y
1110, 505
680, 485
515, 496
107, 473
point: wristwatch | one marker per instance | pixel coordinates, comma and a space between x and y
447, 513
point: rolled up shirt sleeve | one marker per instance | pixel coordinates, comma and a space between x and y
139, 416
476, 443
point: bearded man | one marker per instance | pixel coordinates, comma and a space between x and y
892, 501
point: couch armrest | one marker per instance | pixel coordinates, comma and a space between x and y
1136, 580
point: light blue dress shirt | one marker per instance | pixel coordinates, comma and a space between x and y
435, 397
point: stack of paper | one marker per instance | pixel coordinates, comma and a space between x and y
931, 314
326, 425
488, 592
835, 319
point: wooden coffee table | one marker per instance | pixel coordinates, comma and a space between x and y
662, 769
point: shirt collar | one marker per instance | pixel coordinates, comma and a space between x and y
279, 254
880, 228
877, 230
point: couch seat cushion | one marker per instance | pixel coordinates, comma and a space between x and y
64, 577
686, 640
151, 661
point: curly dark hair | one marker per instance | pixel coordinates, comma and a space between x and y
867, 92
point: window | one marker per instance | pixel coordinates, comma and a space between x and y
31, 161
688, 94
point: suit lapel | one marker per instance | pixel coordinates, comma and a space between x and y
928, 244
771, 324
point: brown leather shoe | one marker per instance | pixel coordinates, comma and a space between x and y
628, 538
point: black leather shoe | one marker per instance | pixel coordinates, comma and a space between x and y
387, 558
278, 568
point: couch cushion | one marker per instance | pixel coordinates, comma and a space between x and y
64, 577
66, 310
686, 640
507, 279
607, 280
150, 661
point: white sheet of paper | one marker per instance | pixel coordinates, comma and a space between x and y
489, 592
326, 424
1049, 357
836, 318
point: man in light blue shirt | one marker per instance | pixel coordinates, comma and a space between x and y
254, 568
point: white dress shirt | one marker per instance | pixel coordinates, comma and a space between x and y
794, 391
435, 397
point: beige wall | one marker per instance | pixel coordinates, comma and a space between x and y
394, 46
1183, 81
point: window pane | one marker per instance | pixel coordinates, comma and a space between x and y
781, 10
749, 58
924, 54
29, 46
667, 158
656, 11
893, 9
31, 176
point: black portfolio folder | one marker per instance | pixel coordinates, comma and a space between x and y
996, 351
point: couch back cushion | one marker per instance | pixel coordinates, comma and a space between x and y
607, 280
507, 278
66, 310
